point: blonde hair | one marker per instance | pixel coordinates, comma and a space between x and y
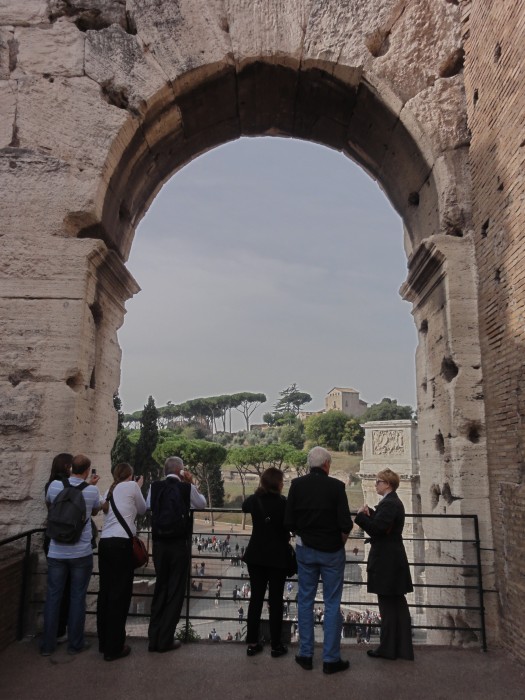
391, 478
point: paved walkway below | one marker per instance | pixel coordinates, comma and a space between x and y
223, 671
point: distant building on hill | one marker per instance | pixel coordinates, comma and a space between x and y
346, 400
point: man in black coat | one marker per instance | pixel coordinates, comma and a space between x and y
387, 568
317, 512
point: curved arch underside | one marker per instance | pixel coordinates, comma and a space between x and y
268, 100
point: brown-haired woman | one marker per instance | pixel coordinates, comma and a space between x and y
60, 470
266, 557
115, 562
388, 573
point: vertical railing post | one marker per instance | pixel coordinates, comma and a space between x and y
188, 580
23, 590
480, 584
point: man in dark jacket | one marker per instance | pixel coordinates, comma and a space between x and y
317, 512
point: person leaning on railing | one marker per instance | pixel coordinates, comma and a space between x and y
266, 558
388, 573
115, 559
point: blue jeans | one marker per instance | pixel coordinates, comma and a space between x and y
79, 570
330, 567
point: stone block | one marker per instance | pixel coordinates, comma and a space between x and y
124, 68
55, 50
23, 13
7, 112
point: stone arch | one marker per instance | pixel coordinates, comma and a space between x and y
131, 92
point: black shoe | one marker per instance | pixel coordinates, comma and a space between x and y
126, 651
176, 644
253, 649
279, 650
335, 666
375, 654
304, 662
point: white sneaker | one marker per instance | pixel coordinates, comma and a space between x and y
62, 639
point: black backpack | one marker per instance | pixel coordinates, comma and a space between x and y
169, 510
67, 514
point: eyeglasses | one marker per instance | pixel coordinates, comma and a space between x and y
380, 481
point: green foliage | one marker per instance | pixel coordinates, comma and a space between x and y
292, 435
291, 400
123, 450
117, 405
145, 464
348, 446
204, 459
326, 429
387, 409
246, 402
187, 633
353, 432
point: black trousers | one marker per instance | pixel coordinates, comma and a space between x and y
262, 577
396, 633
114, 598
172, 560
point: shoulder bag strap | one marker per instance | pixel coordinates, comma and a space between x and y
119, 517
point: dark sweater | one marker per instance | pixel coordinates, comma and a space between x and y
317, 510
269, 541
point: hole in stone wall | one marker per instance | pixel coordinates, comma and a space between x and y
377, 43
485, 228
96, 312
424, 326
475, 97
118, 97
454, 231
413, 199
440, 442
497, 52
93, 381
435, 493
424, 386
473, 431
75, 382
453, 64
449, 369
497, 275
20, 375
500, 187
447, 496
131, 27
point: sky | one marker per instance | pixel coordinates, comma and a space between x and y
262, 263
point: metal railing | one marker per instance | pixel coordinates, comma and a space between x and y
441, 566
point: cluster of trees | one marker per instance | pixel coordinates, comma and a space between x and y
287, 407
252, 452
206, 411
337, 431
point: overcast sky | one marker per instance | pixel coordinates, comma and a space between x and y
262, 263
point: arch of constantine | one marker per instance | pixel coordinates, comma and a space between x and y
101, 101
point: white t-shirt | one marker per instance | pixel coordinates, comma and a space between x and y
130, 503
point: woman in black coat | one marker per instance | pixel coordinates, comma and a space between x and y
387, 568
266, 557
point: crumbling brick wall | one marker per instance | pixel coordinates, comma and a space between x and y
495, 55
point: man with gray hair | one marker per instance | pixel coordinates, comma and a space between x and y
170, 501
317, 512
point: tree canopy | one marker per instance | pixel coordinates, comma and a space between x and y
387, 409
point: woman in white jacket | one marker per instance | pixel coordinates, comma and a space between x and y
116, 563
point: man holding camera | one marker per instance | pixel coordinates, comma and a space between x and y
170, 501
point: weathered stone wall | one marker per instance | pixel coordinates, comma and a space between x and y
101, 101
495, 56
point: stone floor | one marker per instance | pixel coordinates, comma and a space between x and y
223, 672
